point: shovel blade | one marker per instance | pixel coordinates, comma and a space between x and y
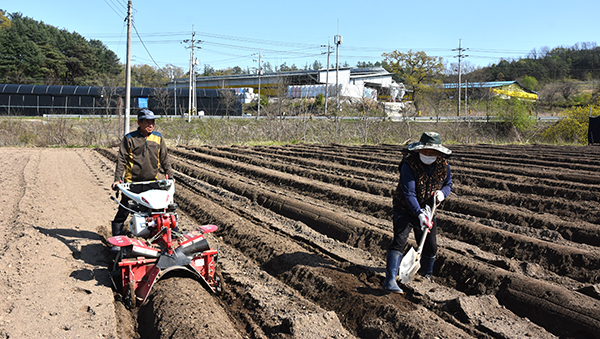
409, 265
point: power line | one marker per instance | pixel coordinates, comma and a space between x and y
120, 14
123, 4
259, 41
303, 50
297, 52
139, 37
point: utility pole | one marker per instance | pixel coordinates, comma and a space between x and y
190, 85
460, 56
128, 70
259, 74
466, 97
175, 97
192, 92
327, 74
337, 40
172, 74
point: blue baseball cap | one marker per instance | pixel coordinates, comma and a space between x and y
146, 114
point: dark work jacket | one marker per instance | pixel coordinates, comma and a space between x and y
418, 181
140, 158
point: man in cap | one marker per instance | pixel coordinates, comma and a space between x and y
141, 154
424, 173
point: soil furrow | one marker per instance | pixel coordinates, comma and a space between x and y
346, 229
376, 207
525, 240
300, 269
521, 228
581, 265
313, 170
583, 212
461, 165
565, 313
543, 188
539, 204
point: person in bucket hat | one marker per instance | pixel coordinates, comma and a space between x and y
424, 172
430, 140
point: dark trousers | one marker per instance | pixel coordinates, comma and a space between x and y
122, 213
405, 221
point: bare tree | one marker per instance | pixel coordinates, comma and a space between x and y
567, 89
434, 98
281, 102
109, 100
533, 54
549, 95
163, 100
229, 100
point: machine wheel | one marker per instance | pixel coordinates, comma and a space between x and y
116, 273
130, 299
220, 283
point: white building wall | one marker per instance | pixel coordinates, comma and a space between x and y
343, 76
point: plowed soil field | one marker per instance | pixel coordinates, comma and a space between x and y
303, 231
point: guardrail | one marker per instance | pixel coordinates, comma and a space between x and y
393, 118
465, 119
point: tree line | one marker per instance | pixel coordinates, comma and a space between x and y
578, 62
33, 52
36, 53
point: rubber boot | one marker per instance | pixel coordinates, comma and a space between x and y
427, 266
391, 271
117, 229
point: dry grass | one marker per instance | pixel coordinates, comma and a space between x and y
64, 132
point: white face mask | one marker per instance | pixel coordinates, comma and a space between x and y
426, 159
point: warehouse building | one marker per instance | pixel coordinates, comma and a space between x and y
503, 89
373, 83
37, 100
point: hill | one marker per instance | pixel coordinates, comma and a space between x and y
36, 53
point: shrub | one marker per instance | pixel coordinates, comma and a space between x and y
573, 127
515, 112
530, 83
320, 100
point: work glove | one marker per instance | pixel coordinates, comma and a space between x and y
114, 185
439, 196
425, 221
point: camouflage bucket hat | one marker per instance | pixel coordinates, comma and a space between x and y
429, 140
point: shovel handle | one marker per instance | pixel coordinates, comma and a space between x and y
422, 242
435, 205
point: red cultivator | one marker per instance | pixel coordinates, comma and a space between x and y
140, 263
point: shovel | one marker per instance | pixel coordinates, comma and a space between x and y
411, 263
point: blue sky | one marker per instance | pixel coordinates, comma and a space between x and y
232, 32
